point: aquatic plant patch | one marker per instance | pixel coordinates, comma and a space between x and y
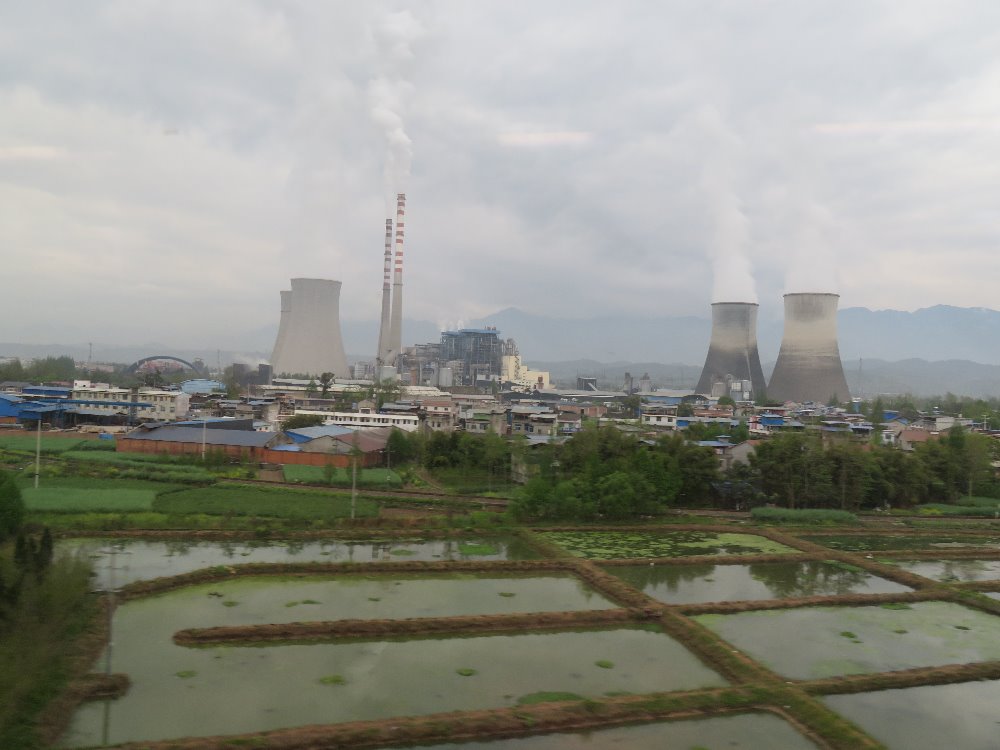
818, 642
609, 545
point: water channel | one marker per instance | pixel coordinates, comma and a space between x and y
141, 559
961, 716
817, 642
687, 584
761, 731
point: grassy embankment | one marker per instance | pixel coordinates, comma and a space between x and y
38, 635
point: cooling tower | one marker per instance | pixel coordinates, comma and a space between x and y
286, 308
386, 320
309, 343
396, 328
732, 351
809, 366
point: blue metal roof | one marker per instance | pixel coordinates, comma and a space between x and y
305, 434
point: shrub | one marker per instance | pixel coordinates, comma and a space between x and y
803, 516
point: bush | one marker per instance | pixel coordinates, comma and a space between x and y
941, 509
802, 516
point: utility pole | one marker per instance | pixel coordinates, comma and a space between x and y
38, 450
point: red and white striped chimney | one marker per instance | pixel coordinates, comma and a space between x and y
396, 335
386, 319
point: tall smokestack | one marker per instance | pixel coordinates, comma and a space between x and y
396, 329
809, 366
383, 331
310, 342
732, 351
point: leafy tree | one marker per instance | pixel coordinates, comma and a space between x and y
11, 507
726, 401
385, 391
302, 420
325, 380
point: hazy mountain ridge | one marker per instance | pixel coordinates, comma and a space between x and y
929, 351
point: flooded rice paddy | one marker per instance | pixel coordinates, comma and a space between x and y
142, 559
688, 584
962, 716
818, 642
875, 542
611, 545
178, 692
278, 599
744, 732
953, 570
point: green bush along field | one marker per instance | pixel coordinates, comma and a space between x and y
802, 516
341, 477
240, 500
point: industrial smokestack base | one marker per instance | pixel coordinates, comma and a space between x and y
309, 340
809, 366
732, 351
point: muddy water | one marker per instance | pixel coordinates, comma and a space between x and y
962, 716
953, 570
610, 545
270, 599
686, 584
827, 641
746, 732
179, 692
143, 559
866, 542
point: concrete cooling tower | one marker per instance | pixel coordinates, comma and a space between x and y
309, 340
732, 359
809, 366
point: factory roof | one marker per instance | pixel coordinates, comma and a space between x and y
171, 434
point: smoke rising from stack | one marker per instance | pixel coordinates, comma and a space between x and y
809, 366
732, 352
309, 339
388, 91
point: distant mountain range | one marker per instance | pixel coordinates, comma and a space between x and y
929, 351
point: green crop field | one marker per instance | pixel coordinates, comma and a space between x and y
26, 442
238, 500
77, 500
341, 477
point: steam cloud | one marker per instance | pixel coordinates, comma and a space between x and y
388, 92
732, 277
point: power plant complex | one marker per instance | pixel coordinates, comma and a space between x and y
309, 341
809, 366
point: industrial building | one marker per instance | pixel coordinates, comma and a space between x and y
732, 366
309, 340
809, 366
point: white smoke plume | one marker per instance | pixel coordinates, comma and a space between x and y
732, 276
394, 34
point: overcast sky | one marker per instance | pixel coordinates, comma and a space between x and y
166, 167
